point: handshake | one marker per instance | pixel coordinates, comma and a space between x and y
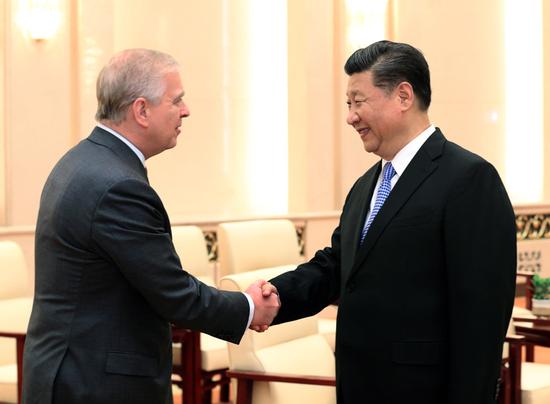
266, 304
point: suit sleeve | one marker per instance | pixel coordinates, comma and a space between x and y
310, 287
480, 243
129, 228
313, 285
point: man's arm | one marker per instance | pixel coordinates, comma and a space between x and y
129, 228
311, 286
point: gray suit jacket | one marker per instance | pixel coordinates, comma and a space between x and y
109, 283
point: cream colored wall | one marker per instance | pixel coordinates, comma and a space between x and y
546, 92
311, 100
463, 43
2, 117
48, 94
351, 159
38, 111
207, 173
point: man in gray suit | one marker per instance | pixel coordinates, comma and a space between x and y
108, 280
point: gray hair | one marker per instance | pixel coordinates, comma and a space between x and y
131, 74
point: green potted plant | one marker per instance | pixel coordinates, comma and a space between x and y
541, 295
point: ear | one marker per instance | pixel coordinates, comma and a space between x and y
405, 94
140, 112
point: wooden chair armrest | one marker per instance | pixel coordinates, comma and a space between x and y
246, 378
281, 377
535, 321
515, 339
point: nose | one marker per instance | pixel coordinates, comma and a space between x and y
184, 112
352, 117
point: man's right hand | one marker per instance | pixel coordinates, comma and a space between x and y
266, 304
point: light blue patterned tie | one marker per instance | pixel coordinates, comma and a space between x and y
383, 192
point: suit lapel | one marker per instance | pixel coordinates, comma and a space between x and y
423, 164
360, 209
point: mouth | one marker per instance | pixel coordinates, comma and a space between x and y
363, 132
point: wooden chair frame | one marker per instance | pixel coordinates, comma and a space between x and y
196, 383
246, 379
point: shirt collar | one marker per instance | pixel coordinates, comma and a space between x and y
126, 141
406, 154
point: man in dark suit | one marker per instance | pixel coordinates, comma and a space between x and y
423, 261
108, 280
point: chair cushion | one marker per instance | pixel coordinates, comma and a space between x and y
535, 383
15, 318
327, 328
14, 276
8, 383
213, 353
522, 312
310, 356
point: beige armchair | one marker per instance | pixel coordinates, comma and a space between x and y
209, 355
191, 248
249, 245
252, 245
289, 363
15, 309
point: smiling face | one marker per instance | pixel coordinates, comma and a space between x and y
375, 114
166, 116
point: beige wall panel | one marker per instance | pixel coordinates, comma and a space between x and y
310, 106
546, 92
318, 234
205, 174
24, 236
2, 113
351, 159
95, 37
38, 118
463, 42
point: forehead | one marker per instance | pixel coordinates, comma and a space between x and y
360, 83
173, 82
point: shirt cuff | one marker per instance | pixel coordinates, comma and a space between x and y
251, 304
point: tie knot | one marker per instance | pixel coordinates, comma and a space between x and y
389, 171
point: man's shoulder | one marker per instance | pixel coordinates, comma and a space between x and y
86, 172
460, 158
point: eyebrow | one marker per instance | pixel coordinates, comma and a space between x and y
180, 95
352, 94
